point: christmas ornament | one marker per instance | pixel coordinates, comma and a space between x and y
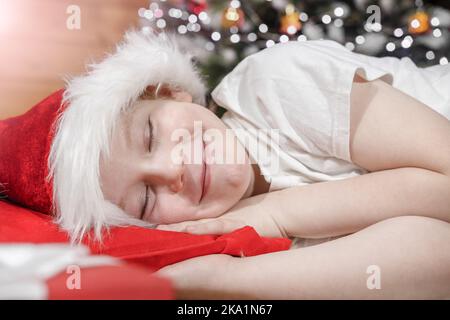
197, 6
290, 21
418, 22
233, 17
267, 22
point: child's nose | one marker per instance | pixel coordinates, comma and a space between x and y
170, 175
176, 179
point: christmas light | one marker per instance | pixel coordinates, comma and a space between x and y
407, 42
203, 16
235, 38
239, 22
304, 16
443, 61
284, 38
182, 29
398, 32
235, 4
292, 30
326, 19
376, 27
234, 29
192, 18
437, 33
175, 13
415, 23
196, 27
360, 39
338, 12
435, 21
252, 37
350, 46
270, 43
338, 23
161, 23
263, 28
158, 13
148, 14
215, 36
430, 55
141, 12
390, 46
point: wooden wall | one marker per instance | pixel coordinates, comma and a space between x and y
37, 49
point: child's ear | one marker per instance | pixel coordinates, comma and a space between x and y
153, 92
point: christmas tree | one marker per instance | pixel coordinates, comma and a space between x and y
222, 33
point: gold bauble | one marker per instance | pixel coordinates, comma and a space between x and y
233, 17
290, 21
418, 23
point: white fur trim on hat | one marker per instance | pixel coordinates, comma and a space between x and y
94, 104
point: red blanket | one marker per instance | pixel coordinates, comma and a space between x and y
148, 247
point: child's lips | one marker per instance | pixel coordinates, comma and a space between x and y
205, 175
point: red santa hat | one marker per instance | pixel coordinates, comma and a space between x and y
49, 157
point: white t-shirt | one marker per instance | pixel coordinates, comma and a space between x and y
303, 90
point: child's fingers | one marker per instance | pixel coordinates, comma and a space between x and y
204, 226
181, 226
218, 226
172, 227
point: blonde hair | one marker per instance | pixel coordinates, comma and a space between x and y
95, 101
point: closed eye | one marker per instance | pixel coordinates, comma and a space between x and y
144, 207
150, 134
150, 138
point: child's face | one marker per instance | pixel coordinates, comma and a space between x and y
190, 189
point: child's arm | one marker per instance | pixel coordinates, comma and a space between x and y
404, 143
397, 258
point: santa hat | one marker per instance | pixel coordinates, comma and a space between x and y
49, 157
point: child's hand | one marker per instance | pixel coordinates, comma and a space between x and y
202, 277
254, 212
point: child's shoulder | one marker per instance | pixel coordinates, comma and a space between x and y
290, 58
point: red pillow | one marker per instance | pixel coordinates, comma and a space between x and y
148, 247
124, 282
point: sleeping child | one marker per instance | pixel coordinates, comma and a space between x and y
316, 142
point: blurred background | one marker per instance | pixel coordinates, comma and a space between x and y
44, 41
